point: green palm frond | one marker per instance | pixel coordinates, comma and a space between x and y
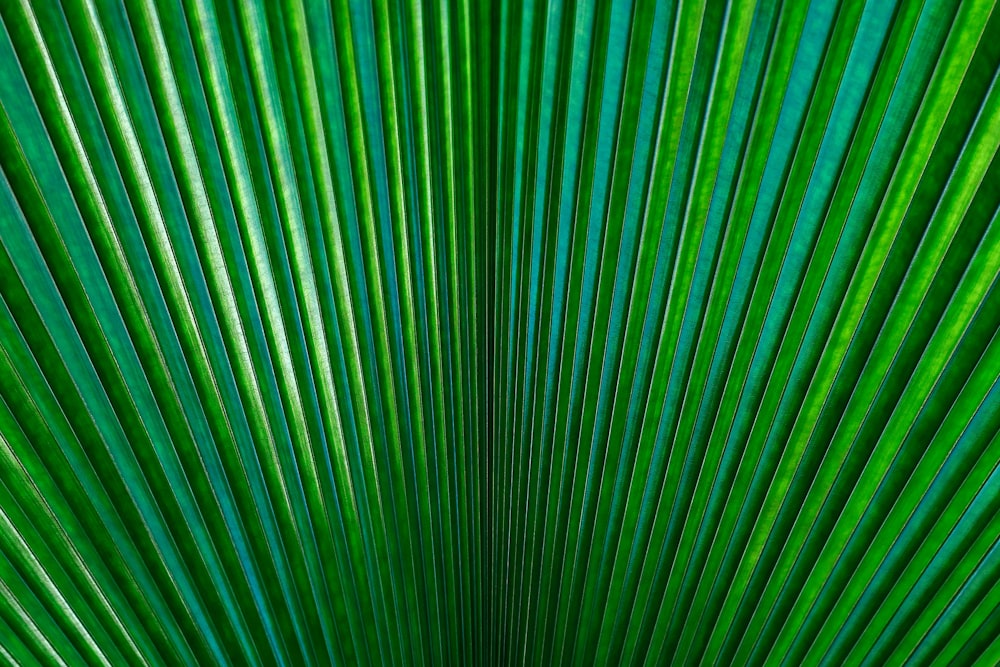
569, 332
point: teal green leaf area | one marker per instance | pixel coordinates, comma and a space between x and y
499, 332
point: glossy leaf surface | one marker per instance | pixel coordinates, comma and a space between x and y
506, 332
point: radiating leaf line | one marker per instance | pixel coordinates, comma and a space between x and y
399, 332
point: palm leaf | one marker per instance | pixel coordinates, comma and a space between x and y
398, 332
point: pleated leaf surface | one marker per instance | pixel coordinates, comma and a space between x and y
503, 332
